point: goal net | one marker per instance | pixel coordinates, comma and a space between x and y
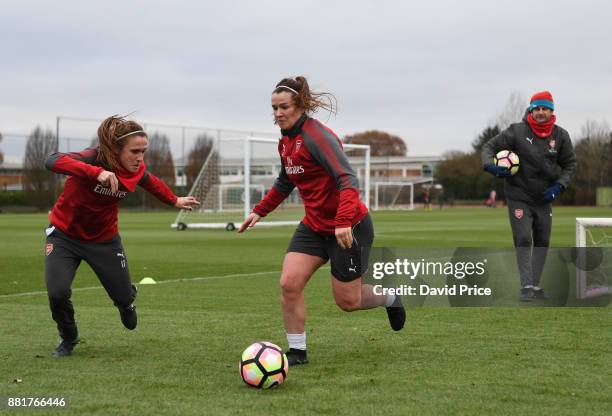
593, 257
397, 195
393, 195
221, 184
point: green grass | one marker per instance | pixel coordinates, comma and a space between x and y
183, 357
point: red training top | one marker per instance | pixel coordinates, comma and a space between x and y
313, 160
87, 210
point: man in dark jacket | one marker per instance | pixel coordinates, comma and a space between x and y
547, 165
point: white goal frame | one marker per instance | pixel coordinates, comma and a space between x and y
247, 178
378, 185
583, 291
230, 225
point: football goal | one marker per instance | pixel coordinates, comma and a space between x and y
396, 195
593, 257
227, 195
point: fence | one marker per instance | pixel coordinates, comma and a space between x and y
75, 133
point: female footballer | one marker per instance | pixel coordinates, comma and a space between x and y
336, 227
83, 222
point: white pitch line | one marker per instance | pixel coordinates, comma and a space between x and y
82, 289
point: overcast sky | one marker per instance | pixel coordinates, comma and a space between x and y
433, 72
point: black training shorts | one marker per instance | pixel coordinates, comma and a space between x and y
346, 265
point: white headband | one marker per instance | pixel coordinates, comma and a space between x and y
289, 88
130, 133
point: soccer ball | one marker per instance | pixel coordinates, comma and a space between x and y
263, 365
508, 159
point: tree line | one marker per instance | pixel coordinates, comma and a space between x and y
41, 186
459, 172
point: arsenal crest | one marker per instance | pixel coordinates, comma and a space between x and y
298, 144
48, 249
518, 213
552, 144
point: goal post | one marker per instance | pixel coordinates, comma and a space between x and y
396, 195
251, 163
393, 195
593, 257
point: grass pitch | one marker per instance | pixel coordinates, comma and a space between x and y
221, 293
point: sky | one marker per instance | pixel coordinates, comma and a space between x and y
434, 73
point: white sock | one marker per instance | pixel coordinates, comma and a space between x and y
297, 341
390, 300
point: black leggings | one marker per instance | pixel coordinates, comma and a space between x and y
62, 258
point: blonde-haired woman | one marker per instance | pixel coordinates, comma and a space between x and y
83, 221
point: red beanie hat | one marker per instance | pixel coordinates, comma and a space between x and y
542, 99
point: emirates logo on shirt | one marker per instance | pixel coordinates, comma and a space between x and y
294, 170
99, 189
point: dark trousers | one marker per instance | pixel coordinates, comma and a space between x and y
62, 258
531, 226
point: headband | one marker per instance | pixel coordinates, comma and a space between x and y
289, 88
130, 133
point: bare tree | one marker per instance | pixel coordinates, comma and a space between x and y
381, 143
487, 134
39, 182
592, 129
594, 160
513, 111
203, 154
158, 159
197, 156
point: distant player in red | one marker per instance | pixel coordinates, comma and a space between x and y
492, 199
84, 221
336, 227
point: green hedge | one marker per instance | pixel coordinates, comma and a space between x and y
11, 198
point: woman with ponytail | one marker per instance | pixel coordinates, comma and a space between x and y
336, 227
83, 221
